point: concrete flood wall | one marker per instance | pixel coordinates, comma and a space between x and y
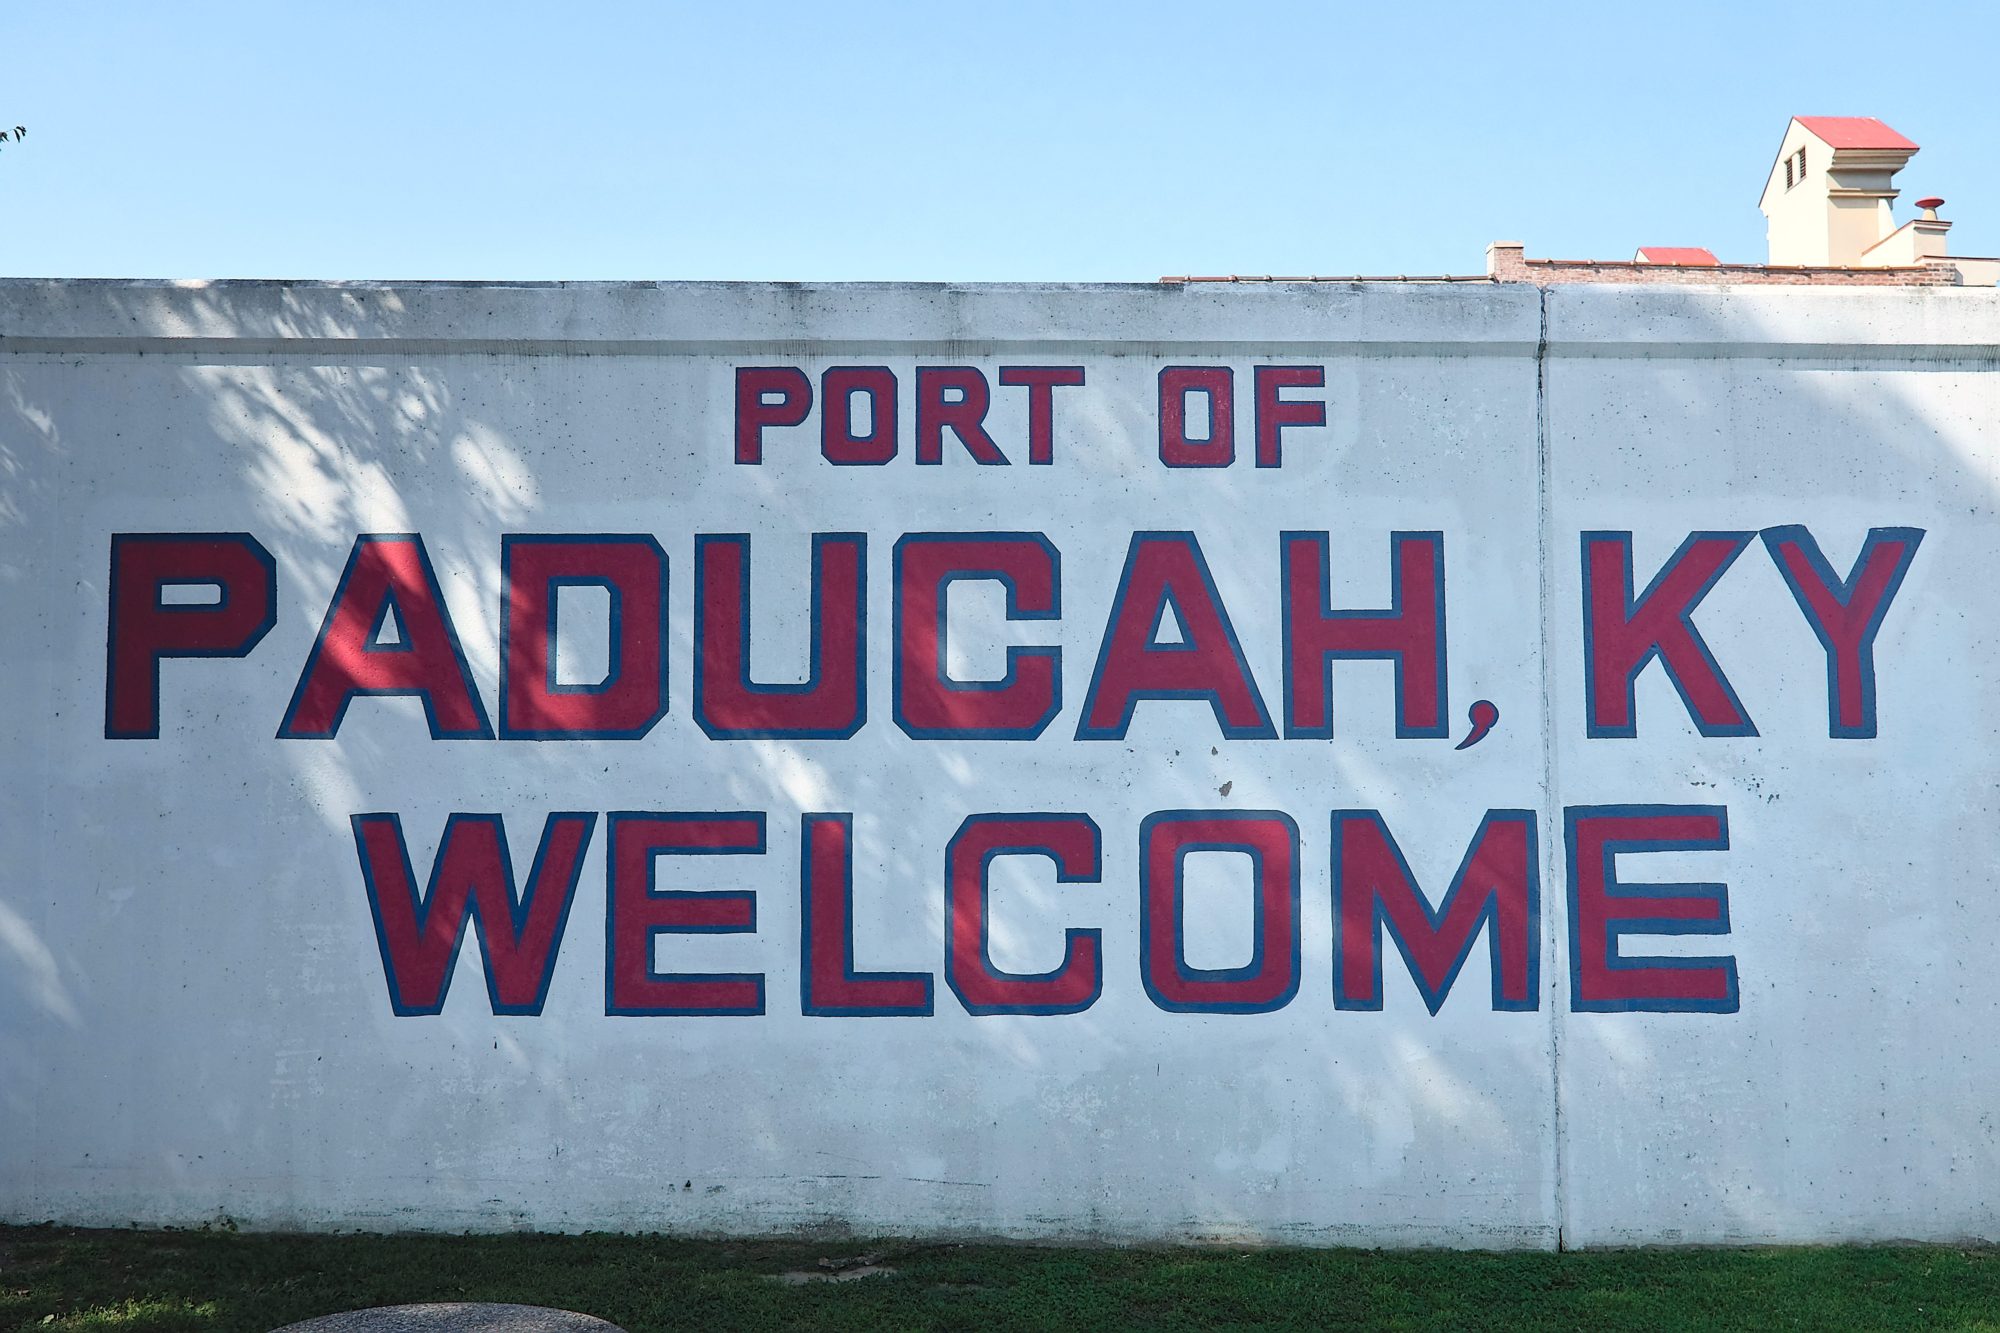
1386, 764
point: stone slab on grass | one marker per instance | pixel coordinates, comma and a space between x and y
455, 1317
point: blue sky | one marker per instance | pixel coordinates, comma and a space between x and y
999, 142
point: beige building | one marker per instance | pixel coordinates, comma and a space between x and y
1827, 204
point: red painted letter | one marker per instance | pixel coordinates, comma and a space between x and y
472, 877
795, 399
837, 390
1269, 980
1162, 570
1041, 383
966, 417
832, 702
1495, 887
1214, 383
930, 705
387, 574
637, 913
633, 697
1071, 841
1846, 613
143, 627
1410, 633
1601, 909
1621, 635
828, 984
1275, 413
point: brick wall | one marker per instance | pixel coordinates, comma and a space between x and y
1508, 263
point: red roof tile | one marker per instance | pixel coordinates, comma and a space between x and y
1689, 256
1855, 132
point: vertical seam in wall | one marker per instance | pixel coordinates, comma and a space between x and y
41, 1191
1547, 868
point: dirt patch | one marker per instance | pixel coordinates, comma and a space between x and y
800, 1277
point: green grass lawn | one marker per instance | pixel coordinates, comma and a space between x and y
56, 1279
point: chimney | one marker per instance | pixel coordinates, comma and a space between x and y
1827, 202
1507, 261
1930, 230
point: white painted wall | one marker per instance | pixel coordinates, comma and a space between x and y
193, 1017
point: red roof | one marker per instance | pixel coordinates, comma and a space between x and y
1855, 132
1688, 256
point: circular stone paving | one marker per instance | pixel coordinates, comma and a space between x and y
454, 1317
